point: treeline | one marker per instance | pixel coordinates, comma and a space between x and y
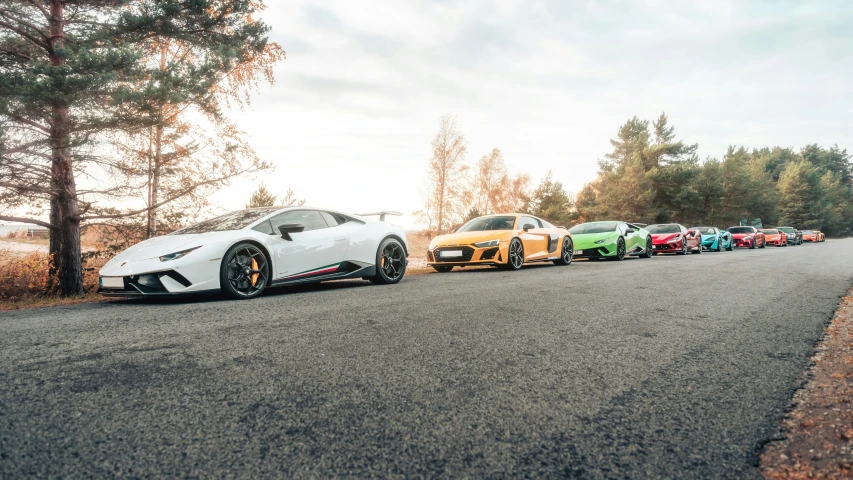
651, 177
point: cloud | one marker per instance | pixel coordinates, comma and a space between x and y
548, 82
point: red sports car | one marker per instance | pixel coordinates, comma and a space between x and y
674, 238
773, 236
750, 237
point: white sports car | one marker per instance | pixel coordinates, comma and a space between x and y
243, 252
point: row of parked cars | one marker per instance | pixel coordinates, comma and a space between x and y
697, 239
510, 240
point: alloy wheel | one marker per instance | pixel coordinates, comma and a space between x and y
247, 269
567, 250
392, 261
516, 254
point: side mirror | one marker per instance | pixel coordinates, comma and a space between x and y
289, 228
630, 230
528, 226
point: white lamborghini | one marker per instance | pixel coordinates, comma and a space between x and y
241, 253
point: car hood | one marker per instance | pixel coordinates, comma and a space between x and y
663, 237
468, 238
587, 240
157, 246
741, 235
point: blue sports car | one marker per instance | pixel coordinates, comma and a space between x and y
714, 239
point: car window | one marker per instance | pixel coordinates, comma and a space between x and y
230, 221
623, 228
544, 223
522, 221
331, 220
597, 227
311, 219
265, 227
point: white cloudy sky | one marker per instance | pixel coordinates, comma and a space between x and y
349, 120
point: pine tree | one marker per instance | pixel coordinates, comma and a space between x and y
798, 194
261, 198
73, 73
551, 201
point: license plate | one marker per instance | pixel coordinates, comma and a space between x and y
578, 252
112, 282
451, 253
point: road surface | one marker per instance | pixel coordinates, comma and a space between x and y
676, 367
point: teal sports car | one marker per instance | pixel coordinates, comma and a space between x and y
616, 240
714, 239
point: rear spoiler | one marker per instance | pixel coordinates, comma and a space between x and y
380, 214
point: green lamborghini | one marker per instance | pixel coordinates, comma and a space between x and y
611, 240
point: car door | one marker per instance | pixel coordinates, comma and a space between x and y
315, 251
633, 239
535, 240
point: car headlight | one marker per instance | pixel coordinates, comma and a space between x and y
674, 240
599, 242
487, 243
748, 237
431, 247
177, 255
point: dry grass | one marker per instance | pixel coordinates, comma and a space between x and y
818, 440
25, 280
418, 243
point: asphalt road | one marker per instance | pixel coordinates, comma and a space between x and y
676, 367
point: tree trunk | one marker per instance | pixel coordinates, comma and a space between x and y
156, 165
55, 246
62, 171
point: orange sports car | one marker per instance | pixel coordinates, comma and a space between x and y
507, 240
773, 236
809, 236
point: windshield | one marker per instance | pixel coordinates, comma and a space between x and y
769, 231
786, 229
705, 230
809, 232
598, 227
741, 230
482, 224
229, 221
669, 228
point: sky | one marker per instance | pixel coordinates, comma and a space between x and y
349, 120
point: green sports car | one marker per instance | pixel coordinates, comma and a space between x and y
611, 240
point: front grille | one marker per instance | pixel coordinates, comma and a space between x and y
662, 246
467, 253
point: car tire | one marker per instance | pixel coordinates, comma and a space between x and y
390, 262
752, 245
620, 249
649, 249
566, 248
719, 245
683, 248
244, 272
763, 244
515, 255
698, 249
442, 268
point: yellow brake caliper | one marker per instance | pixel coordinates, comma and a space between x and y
255, 275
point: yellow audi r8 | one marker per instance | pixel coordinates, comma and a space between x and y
507, 240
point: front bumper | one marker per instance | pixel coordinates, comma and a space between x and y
595, 251
470, 255
668, 247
